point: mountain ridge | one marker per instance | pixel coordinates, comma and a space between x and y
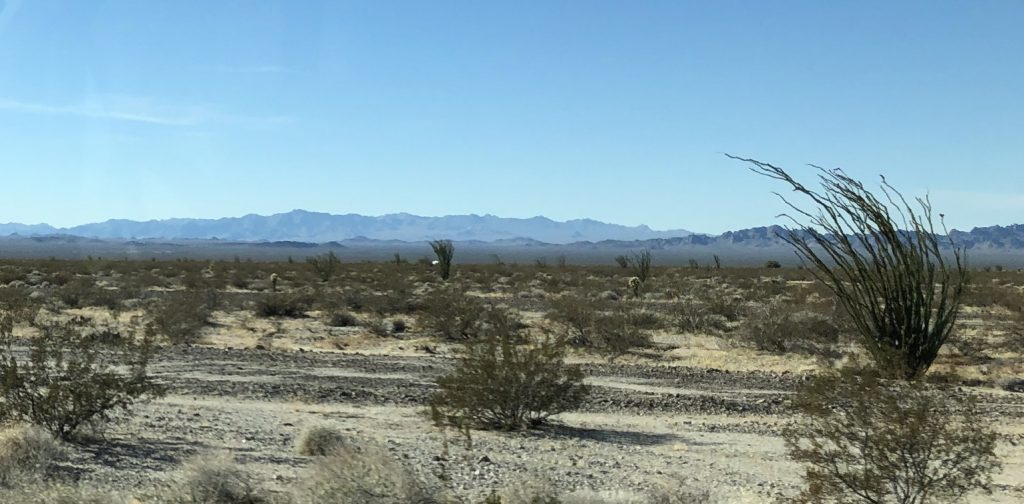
320, 227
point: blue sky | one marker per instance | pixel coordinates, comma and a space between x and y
613, 110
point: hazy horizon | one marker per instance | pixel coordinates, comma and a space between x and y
615, 112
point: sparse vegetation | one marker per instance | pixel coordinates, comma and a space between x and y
452, 313
897, 285
324, 265
72, 378
26, 454
498, 384
863, 439
179, 316
214, 478
363, 473
782, 320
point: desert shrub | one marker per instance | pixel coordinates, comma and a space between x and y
179, 316
398, 326
865, 439
577, 314
695, 315
363, 473
83, 291
772, 264
445, 252
377, 326
900, 281
324, 265
320, 440
26, 453
642, 319
612, 332
71, 378
214, 479
342, 319
618, 332
451, 312
277, 304
16, 301
497, 384
775, 327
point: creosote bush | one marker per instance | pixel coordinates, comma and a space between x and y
180, 316
498, 384
775, 327
863, 439
72, 378
278, 304
452, 313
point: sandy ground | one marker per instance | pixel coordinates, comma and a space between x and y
645, 424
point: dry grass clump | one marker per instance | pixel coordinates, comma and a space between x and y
534, 492
26, 452
214, 478
321, 440
61, 494
364, 474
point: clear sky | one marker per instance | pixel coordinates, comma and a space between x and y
613, 110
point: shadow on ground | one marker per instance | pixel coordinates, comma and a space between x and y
610, 436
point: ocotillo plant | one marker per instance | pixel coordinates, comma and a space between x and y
886, 265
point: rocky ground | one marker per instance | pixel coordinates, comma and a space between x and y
645, 424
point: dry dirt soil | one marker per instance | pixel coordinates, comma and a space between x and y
647, 422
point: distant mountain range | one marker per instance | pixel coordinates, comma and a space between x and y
480, 239
315, 227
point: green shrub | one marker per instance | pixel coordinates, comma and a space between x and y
283, 305
179, 316
864, 439
497, 384
72, 378
451, 313
775, 327
577, 314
